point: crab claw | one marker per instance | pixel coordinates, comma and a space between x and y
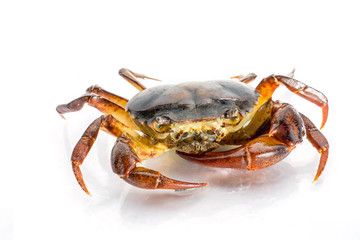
124, 163
149, 179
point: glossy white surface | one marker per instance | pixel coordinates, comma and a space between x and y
52, 52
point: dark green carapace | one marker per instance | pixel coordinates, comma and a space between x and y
192, 101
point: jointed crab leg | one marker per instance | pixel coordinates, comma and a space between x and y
246, 79
82, 148
131, 77
268, 85
286, 130
251, 76
95, 89
102, 104
318, 140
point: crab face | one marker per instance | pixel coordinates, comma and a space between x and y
195, 135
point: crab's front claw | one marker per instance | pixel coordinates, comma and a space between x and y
124, 162
149, 179
259, 153
286, 131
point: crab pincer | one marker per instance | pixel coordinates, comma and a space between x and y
286, 131
124, 163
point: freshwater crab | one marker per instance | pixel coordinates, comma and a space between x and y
195, 118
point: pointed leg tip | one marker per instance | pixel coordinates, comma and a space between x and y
84, 188
236, 77
92, 89
79, 178
322, 124
291, 74
155, 79
87, 192
61, 109
325, 110
316, 178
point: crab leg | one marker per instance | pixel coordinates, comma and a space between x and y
251, 76
132, 78
95, 89
268, 85
102, 104
318, 140
82, 148
246, 79
286, 131
124, 163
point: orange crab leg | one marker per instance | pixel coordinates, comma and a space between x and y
102, 104
132, 78
82, 148
95, 89
318, 140
246, 79
251, 77
268, 85
286, 131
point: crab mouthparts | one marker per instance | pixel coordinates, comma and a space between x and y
197, 141
198, 136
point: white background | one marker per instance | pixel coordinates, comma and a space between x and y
51, 51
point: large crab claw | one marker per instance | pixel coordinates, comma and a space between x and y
124, 160
286, 131
124, 163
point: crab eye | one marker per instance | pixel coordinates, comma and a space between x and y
231, 116
162, 124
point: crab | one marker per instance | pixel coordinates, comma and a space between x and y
195, 118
